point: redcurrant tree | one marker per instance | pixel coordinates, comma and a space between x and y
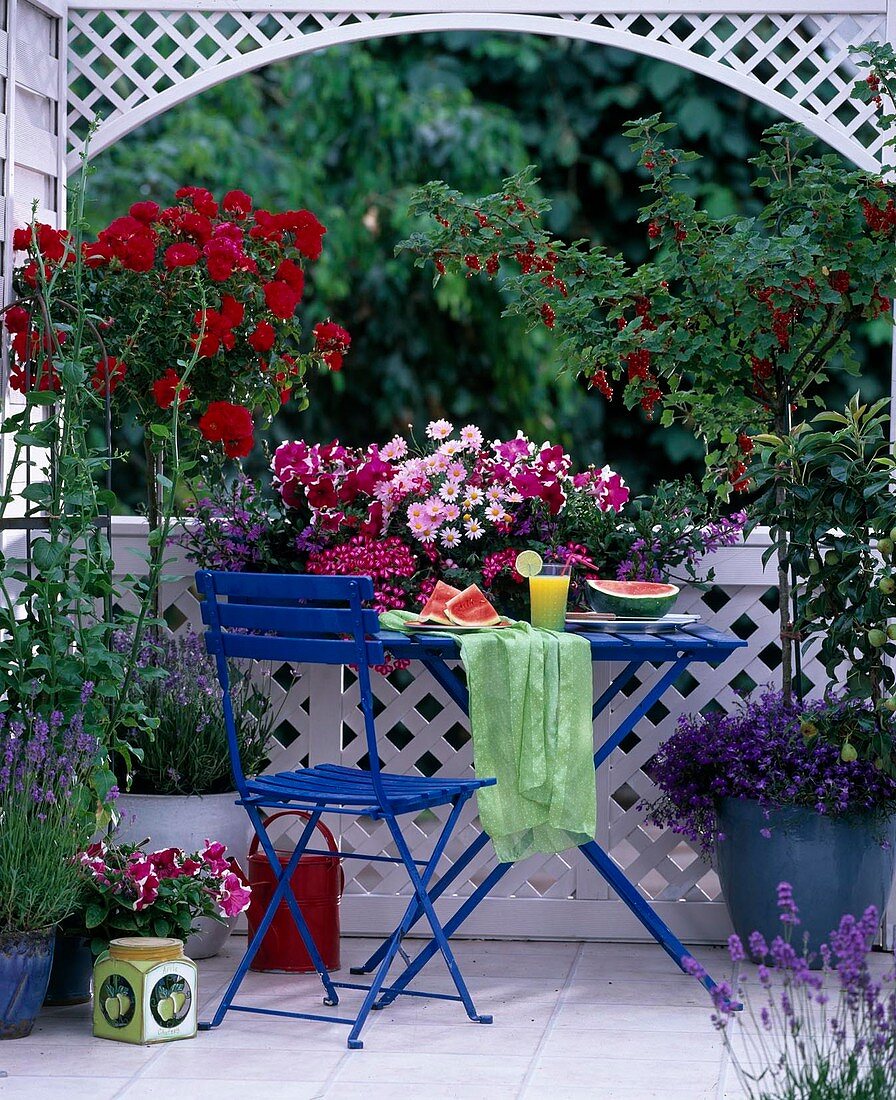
734, 324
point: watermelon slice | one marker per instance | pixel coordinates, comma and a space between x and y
434, 609
632, 599
471, 608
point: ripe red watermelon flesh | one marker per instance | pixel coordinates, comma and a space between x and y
471, 608
434, 609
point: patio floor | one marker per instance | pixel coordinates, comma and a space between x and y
598, 1020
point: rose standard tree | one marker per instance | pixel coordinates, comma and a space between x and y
733, 325
215, 282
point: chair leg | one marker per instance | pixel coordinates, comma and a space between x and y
281, 892
420, 884
418, 901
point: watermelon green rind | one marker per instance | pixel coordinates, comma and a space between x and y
632, 599
471, 608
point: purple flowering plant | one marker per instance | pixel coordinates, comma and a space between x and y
48, 811
767, 750
185, 749
809, 1034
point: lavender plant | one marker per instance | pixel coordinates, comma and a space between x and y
769, 750
47, 813
805, 1034
186, 751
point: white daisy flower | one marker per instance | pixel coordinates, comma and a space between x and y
473, 528
418, 526
450, 537
452, 447
428, 534
451, 512
494, 493
439, 429
434, 507
474, 496
457, 471
495, 513
450, 491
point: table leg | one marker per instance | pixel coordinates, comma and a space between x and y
631, 896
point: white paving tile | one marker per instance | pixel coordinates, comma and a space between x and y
610, 1021
60, 1088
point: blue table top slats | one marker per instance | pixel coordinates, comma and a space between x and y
700, 642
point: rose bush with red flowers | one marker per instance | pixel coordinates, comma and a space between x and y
129, 892
219, 281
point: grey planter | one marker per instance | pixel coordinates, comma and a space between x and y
835, 866
185, 821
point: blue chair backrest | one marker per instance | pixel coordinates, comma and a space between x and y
290, 617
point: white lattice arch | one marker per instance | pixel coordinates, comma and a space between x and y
132, 60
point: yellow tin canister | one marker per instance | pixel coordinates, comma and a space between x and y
144, 991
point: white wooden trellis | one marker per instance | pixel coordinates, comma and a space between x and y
126, 61
421, 730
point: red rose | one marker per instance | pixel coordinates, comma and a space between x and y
96, 254
145, 211
263, 336
224, 422
196, 226
139, 254
307, 231
110, 368
334, 360
291, 273
232, 311
221, 257
165, 389
21, 239
237, 202
328, 336
17, 319
203, 201
52, 243
181, 255
281, 299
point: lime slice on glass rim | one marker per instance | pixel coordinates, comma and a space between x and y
528, 563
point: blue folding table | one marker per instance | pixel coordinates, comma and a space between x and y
677, 649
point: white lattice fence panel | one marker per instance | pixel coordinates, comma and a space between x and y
131, 61
421, 731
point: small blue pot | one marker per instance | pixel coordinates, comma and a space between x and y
835, 866
25, 963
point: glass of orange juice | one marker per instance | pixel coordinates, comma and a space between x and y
548, 593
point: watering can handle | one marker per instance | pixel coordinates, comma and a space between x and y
328, 836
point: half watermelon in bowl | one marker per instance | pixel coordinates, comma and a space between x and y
631, 599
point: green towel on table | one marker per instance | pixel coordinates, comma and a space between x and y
530, 716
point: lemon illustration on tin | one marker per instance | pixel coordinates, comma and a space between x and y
528, 563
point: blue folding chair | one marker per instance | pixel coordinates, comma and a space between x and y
322, 620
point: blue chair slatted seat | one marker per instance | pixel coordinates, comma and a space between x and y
323, 620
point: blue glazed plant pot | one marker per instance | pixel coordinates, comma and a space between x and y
71, 972
25, 963
835, 866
